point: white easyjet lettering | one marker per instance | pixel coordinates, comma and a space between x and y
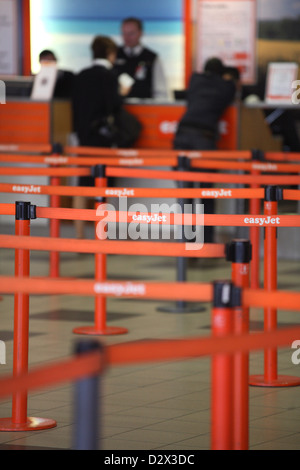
119, 192
149, 218
30, 189
262, 220
215, 193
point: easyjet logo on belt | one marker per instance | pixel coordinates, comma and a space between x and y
26, 189
262, 220
119, 192
216, 193
149, 218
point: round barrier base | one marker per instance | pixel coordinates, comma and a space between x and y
181, 309
32, 424
281, 381
92, 330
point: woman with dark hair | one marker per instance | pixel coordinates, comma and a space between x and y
98, 114
96, 95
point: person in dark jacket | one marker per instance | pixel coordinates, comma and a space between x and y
96, 98
140, 63
96, 95
208, 95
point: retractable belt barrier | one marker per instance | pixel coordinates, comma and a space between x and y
270, 221
195, 162
206, 154
26, 148
162, 153
127, 289
158, 175
252, 222
202, 177
224, 345
253, 179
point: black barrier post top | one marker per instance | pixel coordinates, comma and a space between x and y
258, 155
82, 347
57, 148
89, 346
98, 171
226, 295
183, 162
239, 251
273, 193
25, 211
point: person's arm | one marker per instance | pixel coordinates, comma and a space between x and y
160, 88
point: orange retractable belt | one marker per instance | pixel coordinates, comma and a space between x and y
145, 248
202, 177
143, 352
148, 290
219, 193
218, 154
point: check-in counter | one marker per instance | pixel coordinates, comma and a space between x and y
23, 121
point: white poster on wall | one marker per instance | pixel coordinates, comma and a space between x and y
227, 29
8, 37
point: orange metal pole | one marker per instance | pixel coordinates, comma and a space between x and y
19, 420
100, 327
254, 232
222, 370
270, 378
54, 223
21, 325
239, 253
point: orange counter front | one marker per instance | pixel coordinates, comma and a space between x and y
29, 122
35, 123
160, 122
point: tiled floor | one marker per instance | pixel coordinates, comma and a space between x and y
159, 406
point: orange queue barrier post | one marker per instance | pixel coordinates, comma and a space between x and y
270, 378
54, 223
100, 327
239, 253
254, 232
222, 372
20, 421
